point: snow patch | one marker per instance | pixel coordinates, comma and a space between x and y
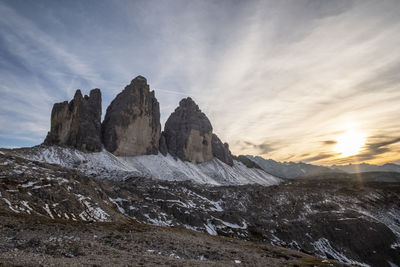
324, 248
210, 228
104, 164
10, 206
116, 203
29, 184
92, 211
157, 221
232, 225
47, 209
26, 205
40, 186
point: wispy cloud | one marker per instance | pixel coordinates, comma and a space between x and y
329, 142
321, 156
247, 147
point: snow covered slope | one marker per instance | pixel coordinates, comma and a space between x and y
106, 165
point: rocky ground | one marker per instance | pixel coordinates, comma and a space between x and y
351, 220
61, 216
39, 241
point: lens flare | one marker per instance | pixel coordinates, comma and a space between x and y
350, 143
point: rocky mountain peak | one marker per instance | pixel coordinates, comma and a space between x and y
190, 114
221, 150
188, 103
77, 123
139, 80
138, 84
78, 95
188, 136
188, 133
94, 100
131, 125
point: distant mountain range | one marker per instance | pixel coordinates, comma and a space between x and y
364, 167
291, 170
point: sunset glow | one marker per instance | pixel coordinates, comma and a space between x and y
350, 143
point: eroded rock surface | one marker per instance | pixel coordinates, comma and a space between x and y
188, 133
221, 150
132, 126
77, 123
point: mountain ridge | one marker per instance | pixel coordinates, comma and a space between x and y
104, 164
131, 126
289, 170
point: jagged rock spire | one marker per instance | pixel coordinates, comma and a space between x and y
188, 133
221, 150
131, 125
77, 123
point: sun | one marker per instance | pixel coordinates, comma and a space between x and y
350, 143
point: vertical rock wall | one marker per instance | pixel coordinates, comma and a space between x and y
77, 123
188, 133
131, 125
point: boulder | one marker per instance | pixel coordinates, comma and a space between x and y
221, 150
77, 123
188, 133
131, 126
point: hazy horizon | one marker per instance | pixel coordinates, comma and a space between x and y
311, 81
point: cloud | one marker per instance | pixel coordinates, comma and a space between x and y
329, 142
262, 148
321, 156
380, 147
377, 147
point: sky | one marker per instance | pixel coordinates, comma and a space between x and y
311, 81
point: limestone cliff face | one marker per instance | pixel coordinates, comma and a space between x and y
188, 133
132, 126
221, 150
77, 123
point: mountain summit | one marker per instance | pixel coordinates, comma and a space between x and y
77, 123
131, 126
188, 133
